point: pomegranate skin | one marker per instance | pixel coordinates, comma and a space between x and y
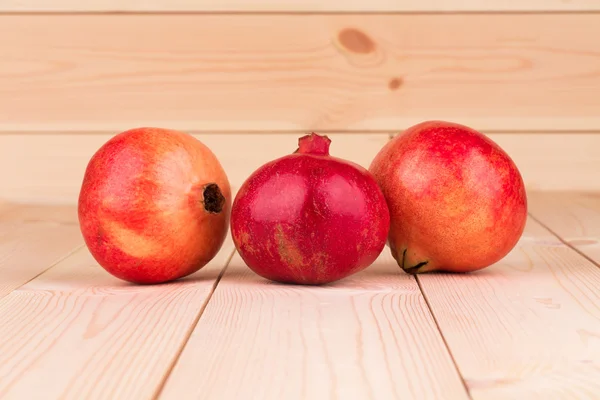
457, 201
154, 205
309, 218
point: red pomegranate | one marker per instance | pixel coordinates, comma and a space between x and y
308, 217
457, 201
154, 205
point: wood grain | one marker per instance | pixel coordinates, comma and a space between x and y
256, 73
64, 214
575, 217
55, 163
527, 327
75, 332
28, 249
550, 162
369, 336
294, 5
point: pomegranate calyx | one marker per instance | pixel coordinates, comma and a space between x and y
314, 144
417, 268
213, 199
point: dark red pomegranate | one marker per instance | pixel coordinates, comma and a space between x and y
309, 218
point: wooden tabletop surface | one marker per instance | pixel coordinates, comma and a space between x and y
525, 328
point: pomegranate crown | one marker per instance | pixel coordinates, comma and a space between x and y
314, 144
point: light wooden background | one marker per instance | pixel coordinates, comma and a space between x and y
248, 78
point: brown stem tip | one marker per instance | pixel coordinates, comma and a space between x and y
213, 198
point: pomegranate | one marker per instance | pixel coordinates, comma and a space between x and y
457, 201
154, 205
308, 217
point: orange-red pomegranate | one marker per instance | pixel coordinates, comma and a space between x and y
456, 199
154, 205
309, 218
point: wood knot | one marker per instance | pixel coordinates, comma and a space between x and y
356, 41
395, 83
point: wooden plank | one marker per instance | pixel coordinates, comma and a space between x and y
575, 217
294, 5
66, 73
76, 332
369, 336
54, 168
555, 161
28, 249
64, 214
6, 207
527, 327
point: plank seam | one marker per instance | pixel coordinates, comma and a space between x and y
190, 331
566, 243
439, 328
299, 12
211, 132
437, 325
52, 265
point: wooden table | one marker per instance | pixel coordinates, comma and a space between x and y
525, 328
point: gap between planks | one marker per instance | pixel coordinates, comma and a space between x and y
44, 270
540, 196
525, 326
297, 13
99, 330
580, 252
31, 244
79, 133
297, 6
439, 328
574, 217
192, 327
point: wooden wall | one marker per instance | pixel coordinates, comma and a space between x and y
248, 77
297, 5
